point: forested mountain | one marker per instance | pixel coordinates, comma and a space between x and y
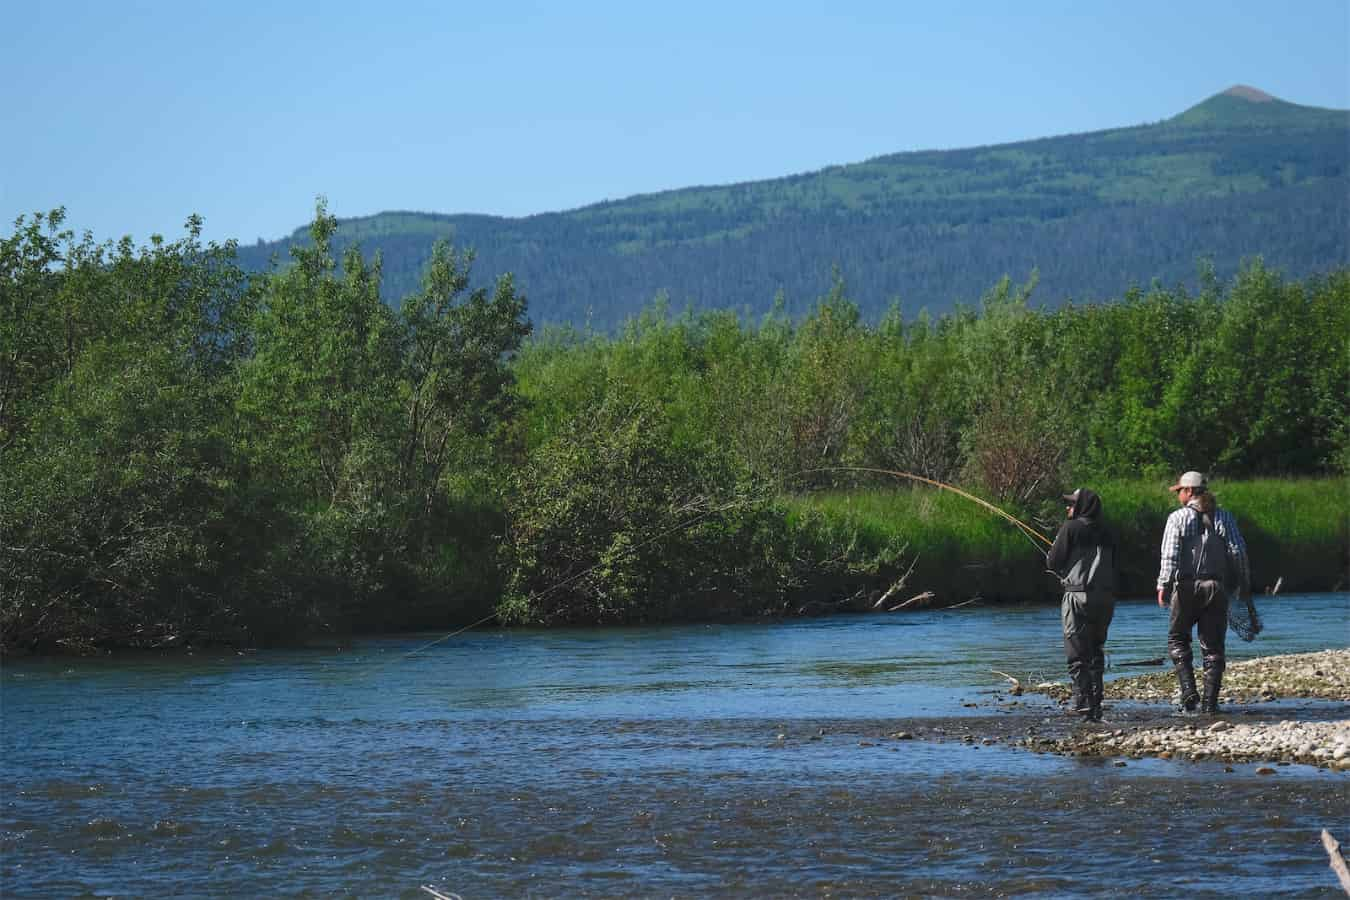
1239, 175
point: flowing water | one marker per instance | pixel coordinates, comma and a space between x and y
749, 760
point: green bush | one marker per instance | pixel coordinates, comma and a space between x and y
613, 520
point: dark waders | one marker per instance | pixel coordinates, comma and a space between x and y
1087, 615
1203, 605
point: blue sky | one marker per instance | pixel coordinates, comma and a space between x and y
135, 115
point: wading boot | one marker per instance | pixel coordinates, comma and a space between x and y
1095, 706
1080, 680
1190, 697
1213, 679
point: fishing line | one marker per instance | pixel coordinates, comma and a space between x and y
1023, 527
583, 573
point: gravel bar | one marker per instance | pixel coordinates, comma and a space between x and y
1324, 675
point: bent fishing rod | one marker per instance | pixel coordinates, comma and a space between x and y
1023, 527
941, 485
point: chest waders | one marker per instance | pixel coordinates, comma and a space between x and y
1200, 601
1086, 610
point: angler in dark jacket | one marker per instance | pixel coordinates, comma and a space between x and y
1084, 558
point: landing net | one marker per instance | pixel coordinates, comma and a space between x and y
1242, 618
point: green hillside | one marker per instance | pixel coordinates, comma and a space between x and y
1239, 175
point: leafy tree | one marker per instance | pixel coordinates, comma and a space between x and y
118, 506
610, 522
456, 384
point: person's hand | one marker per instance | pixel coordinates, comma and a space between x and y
1161, 602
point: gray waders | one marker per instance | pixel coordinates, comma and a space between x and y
1087, 616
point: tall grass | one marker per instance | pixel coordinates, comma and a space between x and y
1297, 530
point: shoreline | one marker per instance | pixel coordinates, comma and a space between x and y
1322, 742
1318, 675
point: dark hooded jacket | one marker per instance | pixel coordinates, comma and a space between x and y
1084, 552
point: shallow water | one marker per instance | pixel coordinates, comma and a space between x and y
728, 760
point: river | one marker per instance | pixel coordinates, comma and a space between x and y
729, 760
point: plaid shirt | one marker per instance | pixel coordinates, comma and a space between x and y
1185, 523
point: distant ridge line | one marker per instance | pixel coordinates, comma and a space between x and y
1240, 175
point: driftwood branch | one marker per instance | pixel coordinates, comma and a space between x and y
1155, 661
917, 598
1016, 689
899, 585
438, 895
1333, 848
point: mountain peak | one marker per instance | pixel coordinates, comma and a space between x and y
1242, 105
1246, 92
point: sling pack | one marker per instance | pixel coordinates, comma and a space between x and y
1208, 554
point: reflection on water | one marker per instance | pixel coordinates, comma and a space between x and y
749, 760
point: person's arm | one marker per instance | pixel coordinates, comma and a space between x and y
1058, 556
1169, 555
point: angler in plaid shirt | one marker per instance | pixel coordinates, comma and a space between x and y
1199, 599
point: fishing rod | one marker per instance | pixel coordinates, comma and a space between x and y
942, 485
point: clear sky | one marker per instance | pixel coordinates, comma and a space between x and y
134, 115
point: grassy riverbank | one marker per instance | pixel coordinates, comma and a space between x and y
1296, 530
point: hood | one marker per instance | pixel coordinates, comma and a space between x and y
1087, 505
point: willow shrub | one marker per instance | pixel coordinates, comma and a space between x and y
610, 521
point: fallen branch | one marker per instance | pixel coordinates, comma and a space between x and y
1333, 848
1016, 689
925, 597
895, 588
438, 895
